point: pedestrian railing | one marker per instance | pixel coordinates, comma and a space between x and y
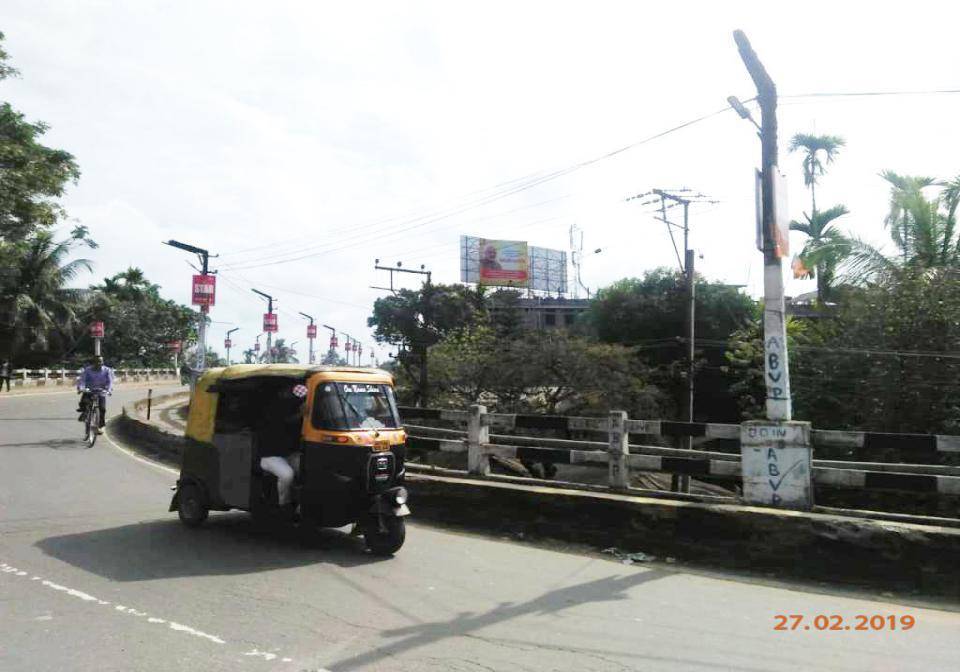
65, 376
472, 436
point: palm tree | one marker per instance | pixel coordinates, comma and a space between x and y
813, 167
824, 249
924, 230
282, 353
37, 302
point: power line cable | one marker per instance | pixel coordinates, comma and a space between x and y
530, 184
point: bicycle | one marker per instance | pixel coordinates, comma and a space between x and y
90, 416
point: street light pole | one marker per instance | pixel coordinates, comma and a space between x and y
204, 256
311, 335
230, 343
776, 365
269, 331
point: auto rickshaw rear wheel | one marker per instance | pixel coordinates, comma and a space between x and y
191, 506
388, 540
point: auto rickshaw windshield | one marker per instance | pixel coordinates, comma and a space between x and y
345, 406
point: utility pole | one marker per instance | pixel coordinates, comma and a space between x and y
204, 295
682, 198
269, 323
227, 343
311, 334
426, 294
778, 447
776, 364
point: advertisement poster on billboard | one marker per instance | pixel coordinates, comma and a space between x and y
504, 262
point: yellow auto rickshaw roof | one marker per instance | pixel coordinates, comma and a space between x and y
344, 373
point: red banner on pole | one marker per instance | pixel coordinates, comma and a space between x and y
311, 331
204, 290
256, 347
173, 346
96, 329
227, 343
270, 322
334, 343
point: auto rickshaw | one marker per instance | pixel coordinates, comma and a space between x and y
345, 423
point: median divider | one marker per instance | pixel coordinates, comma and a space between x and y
779, 542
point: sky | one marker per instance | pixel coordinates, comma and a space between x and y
301, 141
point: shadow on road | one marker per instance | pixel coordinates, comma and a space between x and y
226, 544
55, 444
468, 624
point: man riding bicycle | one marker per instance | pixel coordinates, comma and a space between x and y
95, 380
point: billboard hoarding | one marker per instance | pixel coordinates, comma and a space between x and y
504, 263
546, 271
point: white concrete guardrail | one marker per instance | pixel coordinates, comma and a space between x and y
615, 454
63, 376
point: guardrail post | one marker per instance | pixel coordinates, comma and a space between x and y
776, 459
619, 449
478, 435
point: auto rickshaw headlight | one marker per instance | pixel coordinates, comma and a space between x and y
400, 496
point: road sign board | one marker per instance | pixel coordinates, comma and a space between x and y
270, 322
204, 290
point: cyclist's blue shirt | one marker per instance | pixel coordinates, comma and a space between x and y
96, 380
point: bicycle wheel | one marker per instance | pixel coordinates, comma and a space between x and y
93, 422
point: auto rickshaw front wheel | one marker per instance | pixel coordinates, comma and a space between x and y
385, 540
191, 505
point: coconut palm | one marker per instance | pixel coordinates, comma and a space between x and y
923, 229
37, 303
815, 146
824, 249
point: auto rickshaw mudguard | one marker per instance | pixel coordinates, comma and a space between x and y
385, 505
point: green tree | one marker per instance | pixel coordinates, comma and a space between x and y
416, 320
649, 314
32, 176
333, 358
139, 321
825, 249
814, 147
923, 229
37, 305
546, 372
282, 353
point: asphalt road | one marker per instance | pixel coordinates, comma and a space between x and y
96, 575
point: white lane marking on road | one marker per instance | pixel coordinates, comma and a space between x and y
261, 654
86, 597
196, 633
